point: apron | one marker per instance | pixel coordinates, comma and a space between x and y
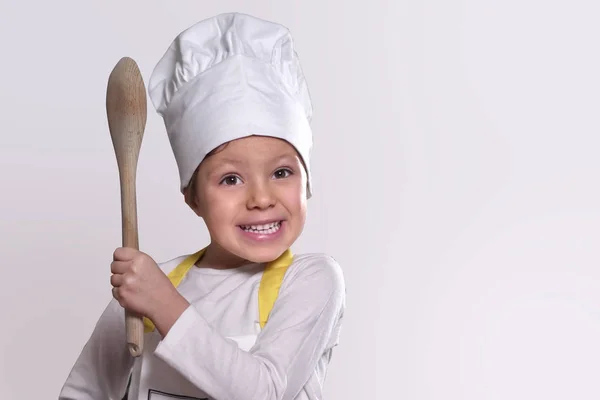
267, 295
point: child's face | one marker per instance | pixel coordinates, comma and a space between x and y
252, 197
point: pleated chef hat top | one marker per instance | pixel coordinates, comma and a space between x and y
229, 77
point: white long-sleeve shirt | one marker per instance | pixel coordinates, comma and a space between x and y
216, 349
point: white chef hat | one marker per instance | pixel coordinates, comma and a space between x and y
228, 77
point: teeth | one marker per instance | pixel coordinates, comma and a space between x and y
268, 228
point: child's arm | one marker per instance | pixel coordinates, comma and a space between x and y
102, 370
303, 326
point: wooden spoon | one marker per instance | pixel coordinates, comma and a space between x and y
126, 110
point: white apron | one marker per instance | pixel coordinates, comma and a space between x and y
152, 379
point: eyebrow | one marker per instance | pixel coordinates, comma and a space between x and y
224, 162
288, 155
237, 163
230, 161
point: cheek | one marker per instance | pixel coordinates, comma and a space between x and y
294, 199
219, 209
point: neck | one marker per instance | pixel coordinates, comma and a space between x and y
218, 258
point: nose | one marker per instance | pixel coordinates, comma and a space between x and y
260, 196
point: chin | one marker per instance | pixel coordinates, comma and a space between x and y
262, 254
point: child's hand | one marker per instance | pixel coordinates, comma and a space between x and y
140, 286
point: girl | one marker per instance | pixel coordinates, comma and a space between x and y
242, 318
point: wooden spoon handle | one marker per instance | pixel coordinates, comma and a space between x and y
133, 322
135, 333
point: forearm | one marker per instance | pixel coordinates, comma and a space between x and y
216, 364
164, 317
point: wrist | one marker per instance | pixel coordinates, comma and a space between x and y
169, 312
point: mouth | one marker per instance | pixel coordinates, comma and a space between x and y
262, 229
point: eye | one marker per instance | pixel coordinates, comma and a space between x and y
282, 173
231, 180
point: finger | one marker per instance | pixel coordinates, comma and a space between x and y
115, 293
124, 254
120, 267
117, 280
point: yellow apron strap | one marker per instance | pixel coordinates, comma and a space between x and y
270, 284
267, 292
176, 276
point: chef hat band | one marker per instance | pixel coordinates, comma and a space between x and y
229, 77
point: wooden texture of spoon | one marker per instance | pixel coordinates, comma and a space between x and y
127, 111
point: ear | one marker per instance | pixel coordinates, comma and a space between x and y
191, 201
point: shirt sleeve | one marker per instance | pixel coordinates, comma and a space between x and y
101, 371
302, 327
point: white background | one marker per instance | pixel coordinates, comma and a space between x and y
456, 181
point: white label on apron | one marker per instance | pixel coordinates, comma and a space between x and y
244, 342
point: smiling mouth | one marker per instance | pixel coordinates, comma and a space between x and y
266, 229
